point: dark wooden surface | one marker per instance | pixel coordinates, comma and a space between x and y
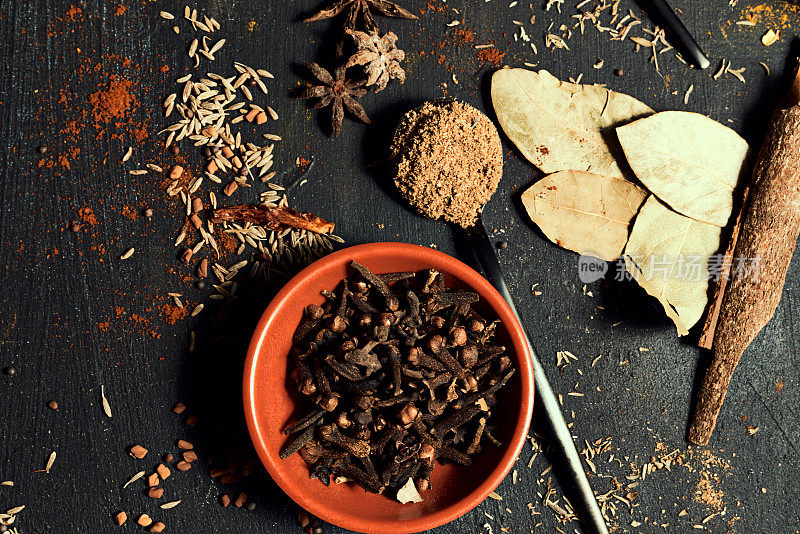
74, 317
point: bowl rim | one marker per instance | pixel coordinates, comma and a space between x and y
307, 499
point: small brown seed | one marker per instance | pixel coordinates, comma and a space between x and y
202, 268
137, 451
191, 421
42, 149
186, 257
183, 466
148, 213
53, 405
144, 520
120, 518
75, 227
168, 457
240, 499
230, 188
153, 480
163, 471
190, 456
175, 149
225, 500
158, 527
185, 445
179, 408
618, 72
155, 493
176, 172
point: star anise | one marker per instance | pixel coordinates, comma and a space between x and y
379, 56
361, 10
339, 92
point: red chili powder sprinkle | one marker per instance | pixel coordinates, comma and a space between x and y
114, 102
491, 55
87, 215
173, 314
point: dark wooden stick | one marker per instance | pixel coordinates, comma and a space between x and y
766, 233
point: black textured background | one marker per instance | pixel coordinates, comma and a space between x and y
74, 317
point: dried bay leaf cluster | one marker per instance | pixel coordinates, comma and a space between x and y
598, 148
365, 59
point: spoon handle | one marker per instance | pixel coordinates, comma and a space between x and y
568, 464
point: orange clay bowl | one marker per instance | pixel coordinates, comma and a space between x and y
271, 402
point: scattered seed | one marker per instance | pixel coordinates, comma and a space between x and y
166, 15
53, 405
127, 155
106, 405
128, 253
137, 451
120, 518
50, 461
133, 479
180, 407
169, 505
144, 520
163, 471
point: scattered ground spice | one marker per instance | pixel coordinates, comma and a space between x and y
87, 216
112, 103
492, 55
172, 313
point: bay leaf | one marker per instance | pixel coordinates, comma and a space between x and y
560, 126
588, 213
689, 161
667, 254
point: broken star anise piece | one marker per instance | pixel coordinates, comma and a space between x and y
361, 10
379, 56
340, 93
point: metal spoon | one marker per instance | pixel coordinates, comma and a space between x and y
566, 461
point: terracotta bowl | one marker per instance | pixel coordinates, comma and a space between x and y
271, 403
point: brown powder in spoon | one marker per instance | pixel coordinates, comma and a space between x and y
448, 160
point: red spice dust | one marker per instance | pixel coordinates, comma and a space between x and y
112, 103
491, 55
163, 68
87, 215
173, 314
120, 10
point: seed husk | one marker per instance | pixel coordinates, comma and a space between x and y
106, 405
133, 479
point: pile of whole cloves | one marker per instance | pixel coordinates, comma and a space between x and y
402, 371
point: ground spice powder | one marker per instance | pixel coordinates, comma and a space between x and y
448, 161
112, 103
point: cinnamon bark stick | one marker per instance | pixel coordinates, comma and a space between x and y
764, 237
